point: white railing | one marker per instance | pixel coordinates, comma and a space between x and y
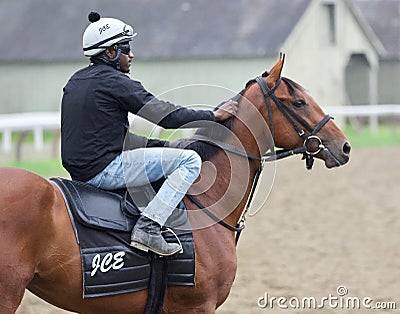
364, 111
36, 122
372, 112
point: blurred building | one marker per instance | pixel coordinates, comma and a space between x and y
342, 51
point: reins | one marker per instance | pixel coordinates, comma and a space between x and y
224, 146
290, 115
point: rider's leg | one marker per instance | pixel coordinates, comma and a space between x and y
141, 166
112, 177
181, 168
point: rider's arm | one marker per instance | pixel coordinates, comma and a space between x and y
136, 99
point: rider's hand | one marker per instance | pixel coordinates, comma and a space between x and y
226, 110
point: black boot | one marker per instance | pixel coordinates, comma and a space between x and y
146, 236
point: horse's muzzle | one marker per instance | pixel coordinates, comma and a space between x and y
336, 155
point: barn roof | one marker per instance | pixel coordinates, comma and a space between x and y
52, 29
384, 18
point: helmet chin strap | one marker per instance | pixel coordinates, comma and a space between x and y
114, 62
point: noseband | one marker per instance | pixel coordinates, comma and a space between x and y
309, 141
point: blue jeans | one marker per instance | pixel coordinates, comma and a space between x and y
141, 166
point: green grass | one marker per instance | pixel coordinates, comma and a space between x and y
45, 168
385, 136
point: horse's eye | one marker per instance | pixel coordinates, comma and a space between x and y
298, 103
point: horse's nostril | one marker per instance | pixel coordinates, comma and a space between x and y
346, 148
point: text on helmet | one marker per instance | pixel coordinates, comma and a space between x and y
104, 28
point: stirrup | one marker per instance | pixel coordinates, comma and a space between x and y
146, 248
166, 229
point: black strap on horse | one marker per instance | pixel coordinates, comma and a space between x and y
232, 149
225, 146
306, 149
237, 229
157, 285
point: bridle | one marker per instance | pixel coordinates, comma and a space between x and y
306, 149
290, 115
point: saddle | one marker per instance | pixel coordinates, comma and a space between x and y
102, 222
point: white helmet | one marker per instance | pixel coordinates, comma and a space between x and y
103, 33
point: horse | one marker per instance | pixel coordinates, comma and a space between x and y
38, 248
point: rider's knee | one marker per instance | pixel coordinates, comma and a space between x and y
193, 161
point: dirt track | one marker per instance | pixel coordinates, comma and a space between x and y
319, 230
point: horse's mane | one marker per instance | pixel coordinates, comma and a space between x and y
214, 130
205, 150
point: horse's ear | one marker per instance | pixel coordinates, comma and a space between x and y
276, 71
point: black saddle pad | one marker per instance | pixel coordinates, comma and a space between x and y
103, 222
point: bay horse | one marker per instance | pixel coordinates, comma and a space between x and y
37, 243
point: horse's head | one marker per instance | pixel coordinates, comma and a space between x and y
303, 125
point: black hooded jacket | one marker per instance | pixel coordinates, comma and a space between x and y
94, 118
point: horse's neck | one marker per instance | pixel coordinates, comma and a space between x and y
229, 177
